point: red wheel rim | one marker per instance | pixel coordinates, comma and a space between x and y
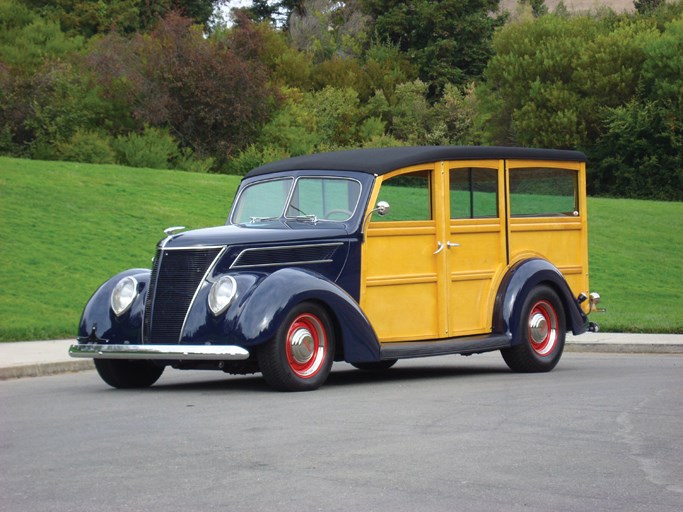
542, 328
306, 345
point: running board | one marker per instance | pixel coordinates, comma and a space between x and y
462, 345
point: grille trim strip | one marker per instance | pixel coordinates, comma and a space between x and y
194, 297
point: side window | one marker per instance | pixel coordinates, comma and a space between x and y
409, 197
473, 193
543, 192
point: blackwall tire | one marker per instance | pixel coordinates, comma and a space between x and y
300, 356
124, 374
540, 334
375, 366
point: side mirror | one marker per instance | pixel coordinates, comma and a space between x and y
382, 208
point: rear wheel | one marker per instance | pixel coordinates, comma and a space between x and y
300, 356
124, 374
540, 333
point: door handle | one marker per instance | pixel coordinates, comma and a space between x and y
439, 247
452, 244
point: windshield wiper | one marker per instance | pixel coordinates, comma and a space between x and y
304, 216
307, 218
254, 220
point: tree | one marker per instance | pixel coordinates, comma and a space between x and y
88, 18
552, 76
27, 39
538, 7
274, 12
327, 28
448, 41
213, 99
646, 6
640, 154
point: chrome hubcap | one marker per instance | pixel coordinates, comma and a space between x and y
538, 327
306, 345
302, 345
543, 328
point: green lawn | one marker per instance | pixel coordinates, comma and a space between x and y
65, 228
636, 264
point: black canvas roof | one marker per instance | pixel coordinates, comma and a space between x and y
384, 160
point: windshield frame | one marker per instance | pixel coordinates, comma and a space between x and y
289, 197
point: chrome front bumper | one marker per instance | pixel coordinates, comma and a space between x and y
160, 352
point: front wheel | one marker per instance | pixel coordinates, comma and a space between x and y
124, 374
300, 356
540, 333
375, 366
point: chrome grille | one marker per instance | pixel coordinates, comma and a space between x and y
176, 274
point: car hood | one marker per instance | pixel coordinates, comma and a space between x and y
266, 233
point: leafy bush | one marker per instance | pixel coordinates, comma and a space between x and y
383, 141
153, 148
87, 147
336, 112
57, 101
640, 155
188, 161
6, 145
254, 156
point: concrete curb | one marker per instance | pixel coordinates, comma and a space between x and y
43, 369
623, 348
41, 358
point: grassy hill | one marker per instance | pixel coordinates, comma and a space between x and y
65, 228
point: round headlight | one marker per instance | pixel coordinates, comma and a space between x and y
123, 295
221, 294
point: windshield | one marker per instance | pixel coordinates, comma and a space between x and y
307, 198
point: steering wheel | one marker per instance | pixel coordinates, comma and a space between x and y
347, 213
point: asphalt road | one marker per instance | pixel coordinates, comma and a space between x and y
600, 432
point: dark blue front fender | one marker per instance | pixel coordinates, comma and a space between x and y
258, 317
99, 320
517, 284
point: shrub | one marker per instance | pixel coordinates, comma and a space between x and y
640, 155
188, 161
253, 156
57, 101
6, 144
86, 146
153, 148
411, 112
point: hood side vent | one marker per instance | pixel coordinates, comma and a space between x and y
289, 255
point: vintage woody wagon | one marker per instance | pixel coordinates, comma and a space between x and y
365, 256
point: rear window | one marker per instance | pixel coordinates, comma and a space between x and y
543, 192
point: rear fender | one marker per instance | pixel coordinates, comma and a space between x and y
518, 282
